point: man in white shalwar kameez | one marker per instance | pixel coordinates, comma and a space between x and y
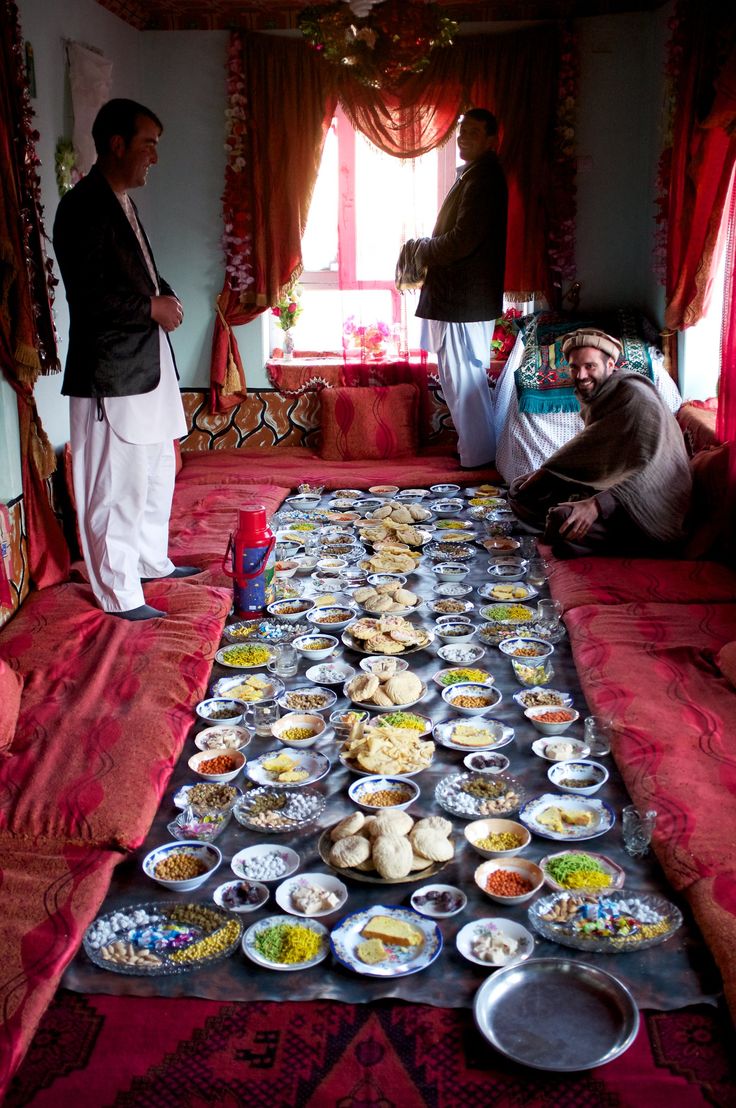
125, 405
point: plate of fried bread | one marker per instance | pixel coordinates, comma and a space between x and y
566, 818
393, 559
389, 598
386, 941
383, 748
368, 690
389, 634
389, 848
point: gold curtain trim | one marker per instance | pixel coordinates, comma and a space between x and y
233, 381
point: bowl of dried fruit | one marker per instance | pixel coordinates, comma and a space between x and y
290, 610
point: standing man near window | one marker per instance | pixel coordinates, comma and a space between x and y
462, 293
125, 404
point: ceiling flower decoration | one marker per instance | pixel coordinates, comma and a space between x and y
393, 39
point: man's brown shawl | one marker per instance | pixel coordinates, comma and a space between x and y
632, 446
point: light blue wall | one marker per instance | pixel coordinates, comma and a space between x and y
45, 25
618, 141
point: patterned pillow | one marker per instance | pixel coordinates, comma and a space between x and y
11, 687
369, 423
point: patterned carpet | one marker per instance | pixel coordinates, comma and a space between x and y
132, 1053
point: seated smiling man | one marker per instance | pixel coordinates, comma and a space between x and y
622, 485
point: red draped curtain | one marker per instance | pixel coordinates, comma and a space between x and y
703, 157
27, 337
285, 96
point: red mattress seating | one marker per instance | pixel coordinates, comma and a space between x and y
582, 581
290, 465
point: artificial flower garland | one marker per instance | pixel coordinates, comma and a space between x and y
382, 48
561, 248
237, 240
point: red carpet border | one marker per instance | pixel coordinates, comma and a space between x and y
133, 1053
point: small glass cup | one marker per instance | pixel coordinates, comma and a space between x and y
548, 615
264, 715
312, 543
285, 661
527, 546
597, 735
637, 830
536, 573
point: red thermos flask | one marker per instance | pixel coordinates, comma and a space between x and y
253, 561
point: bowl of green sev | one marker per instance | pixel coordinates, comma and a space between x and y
581, 871
286, 943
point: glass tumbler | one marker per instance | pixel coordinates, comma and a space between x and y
536, 573
548, 615
597, 735
637, 830
285, 661
264, 715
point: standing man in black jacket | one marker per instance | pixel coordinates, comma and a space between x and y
125, 404
462, 293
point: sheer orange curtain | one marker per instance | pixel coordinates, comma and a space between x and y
289, 89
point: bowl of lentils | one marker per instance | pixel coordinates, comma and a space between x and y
221, 709
471, 698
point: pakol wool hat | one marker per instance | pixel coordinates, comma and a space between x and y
589, 336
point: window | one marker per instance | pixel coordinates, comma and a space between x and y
365, 205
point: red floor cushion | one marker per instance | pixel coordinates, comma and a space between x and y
651, 668
106, 708
579, 581
204, 516
50, 894
713, 903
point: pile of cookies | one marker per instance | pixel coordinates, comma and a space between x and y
387, 749
392, 691
390, 844
387, 635
386, 531
389, 597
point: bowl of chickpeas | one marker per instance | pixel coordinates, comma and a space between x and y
378, 793
182, 866
298, 729
497, 838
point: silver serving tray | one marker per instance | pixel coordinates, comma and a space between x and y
556, 1014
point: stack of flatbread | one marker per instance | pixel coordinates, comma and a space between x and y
389, 597
393, 691
390, 843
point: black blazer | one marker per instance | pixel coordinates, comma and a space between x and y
467, 252
113, 342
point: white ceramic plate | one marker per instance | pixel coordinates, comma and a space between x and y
226, 686
330, 673
564, 701
489, 591
289, 857
251, 951
490, 928
244, 908
400, 961
315, 764
539, 747
499, 734
325, 881
602, 816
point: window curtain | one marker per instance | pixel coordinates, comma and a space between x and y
284, 100
284, 88
27, 337
703, 156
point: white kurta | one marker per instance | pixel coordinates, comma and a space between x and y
123, 469
463, 356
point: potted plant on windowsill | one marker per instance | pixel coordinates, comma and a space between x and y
287, 311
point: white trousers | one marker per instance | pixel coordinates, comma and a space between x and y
463, 356
123, 492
